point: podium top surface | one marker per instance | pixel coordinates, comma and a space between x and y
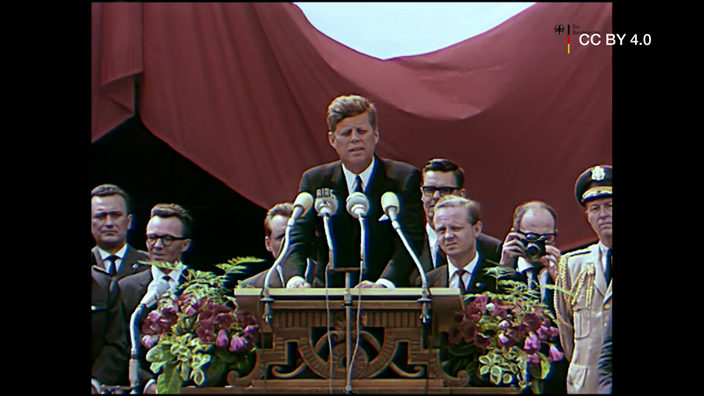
401, 292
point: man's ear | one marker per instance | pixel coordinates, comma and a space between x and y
267, 243
186, 245
331, 138
463, 193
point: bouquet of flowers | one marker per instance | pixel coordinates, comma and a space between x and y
507, 336
198, 333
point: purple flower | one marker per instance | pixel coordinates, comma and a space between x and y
554, 354
481, 302
149, 341
505, 324
543, 333
532, 321
532, 344
206, 334
503, 339
222, 340
224, 321
237, 343
533, 359
481, 341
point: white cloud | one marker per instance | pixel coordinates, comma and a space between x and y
388, 30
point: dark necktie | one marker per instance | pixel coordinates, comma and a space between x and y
112, 267
609, 260
463, 288
359, 187
532, 279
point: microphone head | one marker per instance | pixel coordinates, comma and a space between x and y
326, 205
389, 200
355, 202
304, 200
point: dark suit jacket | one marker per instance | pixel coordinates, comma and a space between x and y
258, 280
129, 264
109, 340
487, 246
386, 255
479, 281
605, 368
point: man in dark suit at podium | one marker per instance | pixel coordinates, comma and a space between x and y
111, 218
354, 134
443, 177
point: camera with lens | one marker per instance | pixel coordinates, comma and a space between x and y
534, 245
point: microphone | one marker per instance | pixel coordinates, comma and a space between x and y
325, 202
301, 205
357, 205
390, 205
151, 297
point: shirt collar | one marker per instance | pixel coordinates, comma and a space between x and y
350, 177
120, 253
175, 274
469, 267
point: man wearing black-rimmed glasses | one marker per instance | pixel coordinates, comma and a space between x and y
444, 177
168, 236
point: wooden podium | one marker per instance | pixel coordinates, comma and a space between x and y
396, 353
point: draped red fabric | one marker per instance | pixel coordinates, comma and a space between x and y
241, 89
117, 57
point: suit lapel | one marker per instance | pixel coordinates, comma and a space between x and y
478, 279
98, 258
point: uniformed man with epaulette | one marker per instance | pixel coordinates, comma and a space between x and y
586, 274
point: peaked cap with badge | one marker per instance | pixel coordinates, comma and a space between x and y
595, 182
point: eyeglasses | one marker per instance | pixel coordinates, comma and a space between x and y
534, 237
430, 190
167, 240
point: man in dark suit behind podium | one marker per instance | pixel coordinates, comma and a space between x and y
354, 134
443, 177
111, 218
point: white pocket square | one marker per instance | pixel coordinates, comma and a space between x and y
384, 217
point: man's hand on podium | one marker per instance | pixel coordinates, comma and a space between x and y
369, 285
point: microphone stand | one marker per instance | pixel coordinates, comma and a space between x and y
266, 299
425, 316
134, 354
348, 304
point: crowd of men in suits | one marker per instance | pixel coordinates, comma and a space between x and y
443, 226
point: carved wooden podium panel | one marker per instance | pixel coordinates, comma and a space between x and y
392, 350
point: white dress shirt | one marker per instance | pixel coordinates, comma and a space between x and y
158, 276
466, 277
603, 250
118, 262
351, 178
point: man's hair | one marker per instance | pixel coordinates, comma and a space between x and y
350, 106
445, 165
280, 209
173, 210
106, 190
523, 208
454, 201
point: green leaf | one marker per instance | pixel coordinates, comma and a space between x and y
160, 353
484, 360
537, 387
484, 370
156, 367
544, 366
169, 382
508, 378
198, 376
224, 355
185, 372
216, 368
495, 374
461, 349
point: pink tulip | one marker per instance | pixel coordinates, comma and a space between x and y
555, 354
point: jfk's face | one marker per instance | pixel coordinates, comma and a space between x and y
278, 228
598, 212
110, 221
455, 235
435, 185
165, 241
355, 141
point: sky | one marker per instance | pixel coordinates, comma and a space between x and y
389, 30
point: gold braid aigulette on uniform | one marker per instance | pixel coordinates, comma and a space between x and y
586, 276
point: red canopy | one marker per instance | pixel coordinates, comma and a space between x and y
241, 89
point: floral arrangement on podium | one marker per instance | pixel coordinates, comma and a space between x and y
198, 333
507, 337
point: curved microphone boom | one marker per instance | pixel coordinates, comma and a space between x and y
301, 205
150, 298
390, 204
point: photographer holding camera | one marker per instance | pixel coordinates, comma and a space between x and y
530, 245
